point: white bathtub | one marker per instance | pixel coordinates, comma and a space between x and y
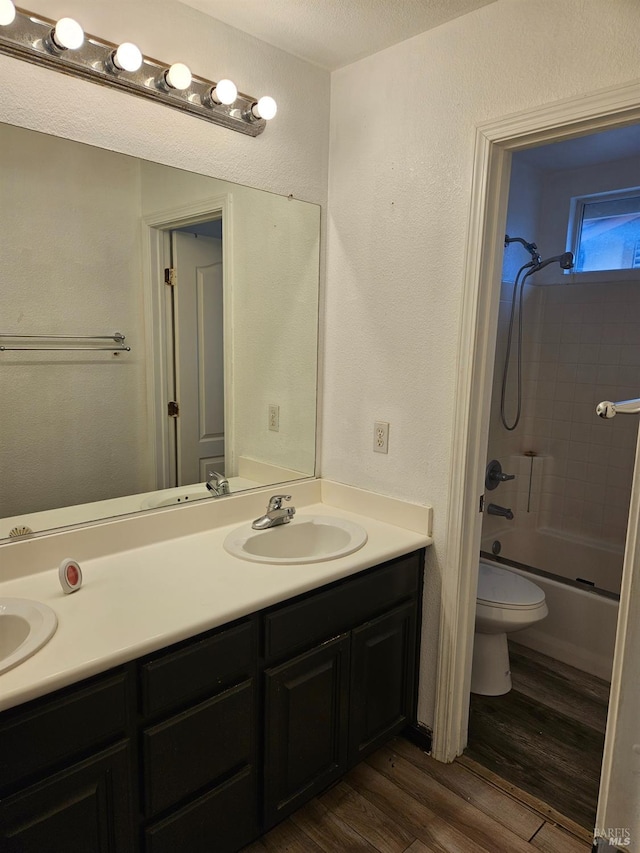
580, 629
560, 554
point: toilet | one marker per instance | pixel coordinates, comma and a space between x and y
506, 602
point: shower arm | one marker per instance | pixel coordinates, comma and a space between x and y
530, 247
607, 409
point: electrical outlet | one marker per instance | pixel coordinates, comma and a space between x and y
381, 437
274, 417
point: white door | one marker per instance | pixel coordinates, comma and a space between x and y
199, 356
618, 814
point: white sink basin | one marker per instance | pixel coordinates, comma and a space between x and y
306, 539
25, 626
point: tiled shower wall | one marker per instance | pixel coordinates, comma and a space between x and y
581, 346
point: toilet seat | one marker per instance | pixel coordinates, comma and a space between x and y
507, 590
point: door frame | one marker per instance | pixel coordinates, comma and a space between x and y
155, 240
494, 143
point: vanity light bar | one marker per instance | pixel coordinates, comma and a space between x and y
64, 47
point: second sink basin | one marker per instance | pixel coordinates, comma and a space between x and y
25, 626
306, 539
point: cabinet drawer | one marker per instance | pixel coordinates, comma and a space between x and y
87, 807
186, 674
321, 615
193, 749
224, 820
52, 730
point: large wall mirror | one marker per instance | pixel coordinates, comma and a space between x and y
214, 287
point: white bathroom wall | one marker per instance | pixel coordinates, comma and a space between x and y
402, 137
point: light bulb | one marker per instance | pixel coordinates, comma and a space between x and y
127, 57
67, 34
266, 108
178, 76
7, 13
225, 92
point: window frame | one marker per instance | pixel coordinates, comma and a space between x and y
574, 234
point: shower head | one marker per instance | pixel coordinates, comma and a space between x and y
565, 260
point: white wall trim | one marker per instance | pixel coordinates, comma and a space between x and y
495, 141
615, 733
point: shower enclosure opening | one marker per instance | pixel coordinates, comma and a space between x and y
565, 342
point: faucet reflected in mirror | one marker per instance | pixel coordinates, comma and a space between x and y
218, 484
112, 429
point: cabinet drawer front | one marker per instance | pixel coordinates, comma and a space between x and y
54, 730
325, 614
88, 807
187, 674
193, 749
222, 820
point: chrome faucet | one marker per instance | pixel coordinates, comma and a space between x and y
276, 514
218, 484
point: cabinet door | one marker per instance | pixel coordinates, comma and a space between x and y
306, 726
383, 661
85, 809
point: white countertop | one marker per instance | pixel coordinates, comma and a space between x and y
139, 599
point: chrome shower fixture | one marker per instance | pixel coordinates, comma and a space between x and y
533, 266
64, 46
565, 260
530, 247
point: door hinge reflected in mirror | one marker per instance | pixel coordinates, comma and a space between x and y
173, 409
170, 276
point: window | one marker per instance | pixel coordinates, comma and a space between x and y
607, 231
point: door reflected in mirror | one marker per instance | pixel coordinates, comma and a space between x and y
214, 286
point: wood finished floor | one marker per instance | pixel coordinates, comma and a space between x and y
400, 800
546, 736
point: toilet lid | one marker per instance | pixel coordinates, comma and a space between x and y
500, 586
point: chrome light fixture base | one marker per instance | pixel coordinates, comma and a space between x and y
28, 37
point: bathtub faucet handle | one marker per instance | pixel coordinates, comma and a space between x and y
494, 475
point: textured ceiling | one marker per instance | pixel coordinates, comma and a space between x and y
333, 33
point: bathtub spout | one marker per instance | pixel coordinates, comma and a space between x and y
494, 509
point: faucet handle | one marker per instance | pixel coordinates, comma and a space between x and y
494, 475
275, 501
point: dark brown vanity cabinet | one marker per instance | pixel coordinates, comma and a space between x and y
198, 743
66, 771
351, 689
204, 745
306, 720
